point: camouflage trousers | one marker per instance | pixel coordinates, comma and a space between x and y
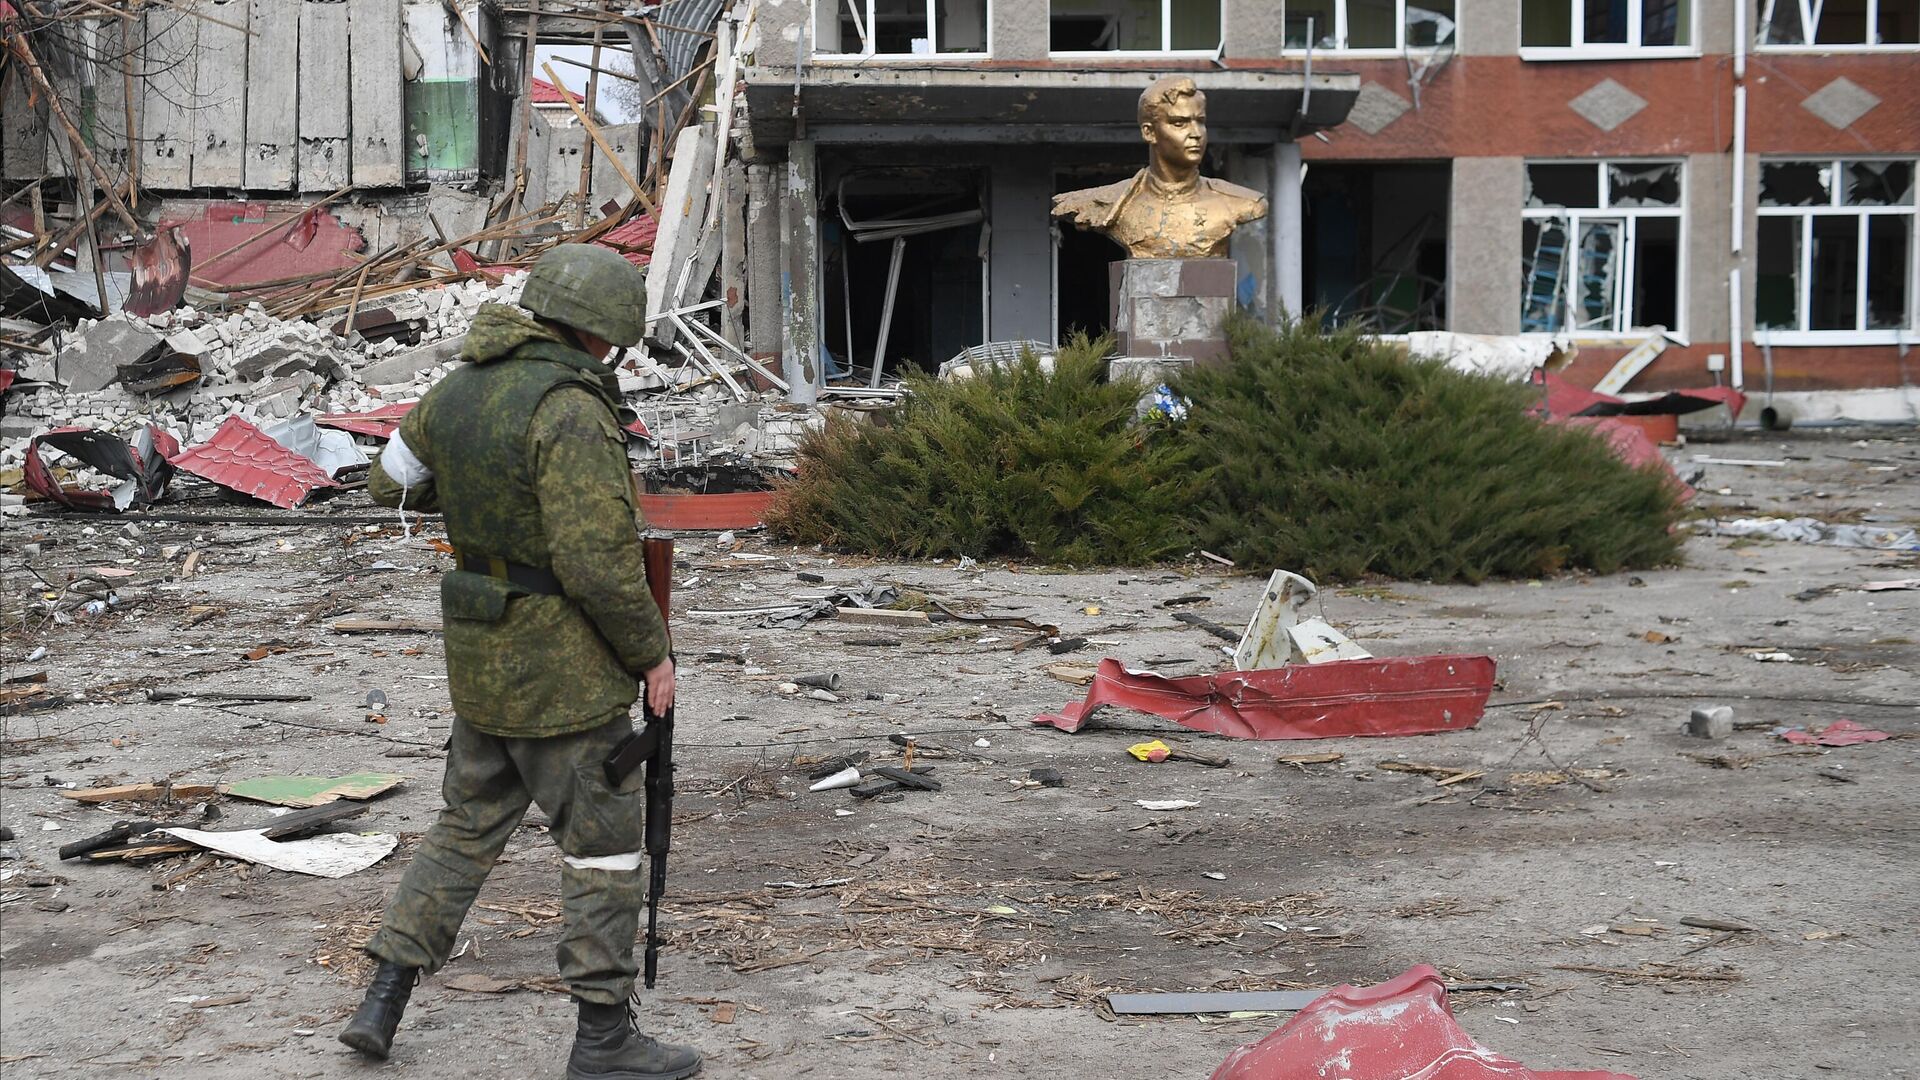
489, 781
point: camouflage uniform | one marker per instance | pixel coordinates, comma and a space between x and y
529, 466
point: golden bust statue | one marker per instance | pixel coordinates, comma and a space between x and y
1167, 210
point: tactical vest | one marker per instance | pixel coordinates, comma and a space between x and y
477, 429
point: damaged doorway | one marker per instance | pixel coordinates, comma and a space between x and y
903, 273
1082, 287
1375, 244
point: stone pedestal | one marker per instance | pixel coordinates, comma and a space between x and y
1172, 308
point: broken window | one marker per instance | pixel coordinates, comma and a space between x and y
1601, 247
1369, 24
1836, 249
900, 27
1606, 25
1134, 25
1860, 23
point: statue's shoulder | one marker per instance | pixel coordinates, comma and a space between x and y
1094, 204
1221, 187
1248, 203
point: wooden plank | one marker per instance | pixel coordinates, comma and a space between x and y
138, 792
170, 62
220, 97
377, 95
375, 626
323, 160
273, 94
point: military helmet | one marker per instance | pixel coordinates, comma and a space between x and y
589, 288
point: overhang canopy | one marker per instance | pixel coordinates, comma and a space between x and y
944, 105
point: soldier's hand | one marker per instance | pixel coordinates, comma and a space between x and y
659, 680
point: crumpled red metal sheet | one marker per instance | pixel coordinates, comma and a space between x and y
241, 457
378, 423
1398, 1030
1566, 399
305, 240
1400, 695
143, 465
160, 271
633, 238
1838, 733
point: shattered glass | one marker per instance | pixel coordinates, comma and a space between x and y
1780, 23
1776, 291
1833, 300
1879, 183
1320, 13
1889, 270
1430, 23
1796, 183
1597, 287
1643, 185
1544, 242
1563, 185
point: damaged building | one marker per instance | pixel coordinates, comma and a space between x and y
1686, 190
1724, 190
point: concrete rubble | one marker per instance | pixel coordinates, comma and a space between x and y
267, 370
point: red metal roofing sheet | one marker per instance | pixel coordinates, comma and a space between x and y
242, 457
1399, 695
378, 423
1401, 1028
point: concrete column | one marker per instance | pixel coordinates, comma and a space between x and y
766, 327
1253, 29
1017, 30
1483, 245
800, 225
783, 32
1283, 230
1707, 240
1487, 27
1020, 250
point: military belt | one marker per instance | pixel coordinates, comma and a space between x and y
534, 579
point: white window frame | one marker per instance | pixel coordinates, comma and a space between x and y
866, 53
1629, 233
1580, 49
1810, 11
1837, 207
1398, 47
1166, 38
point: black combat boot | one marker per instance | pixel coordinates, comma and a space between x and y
608, 1046
371, 1029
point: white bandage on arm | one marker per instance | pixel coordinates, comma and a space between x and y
624, 862
401, 465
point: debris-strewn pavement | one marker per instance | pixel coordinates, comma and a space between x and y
977, 927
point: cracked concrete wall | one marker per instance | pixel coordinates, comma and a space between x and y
783, 32
765, 256
1483, 245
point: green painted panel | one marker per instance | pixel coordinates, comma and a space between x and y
443, 129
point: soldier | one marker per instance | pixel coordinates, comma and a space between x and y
549, 630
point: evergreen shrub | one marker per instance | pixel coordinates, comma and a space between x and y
1336, 457
1013, 461
1321, 451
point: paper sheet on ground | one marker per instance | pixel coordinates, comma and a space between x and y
334, 855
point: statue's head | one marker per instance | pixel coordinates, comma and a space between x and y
1173, 121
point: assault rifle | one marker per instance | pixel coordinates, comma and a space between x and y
652, 744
